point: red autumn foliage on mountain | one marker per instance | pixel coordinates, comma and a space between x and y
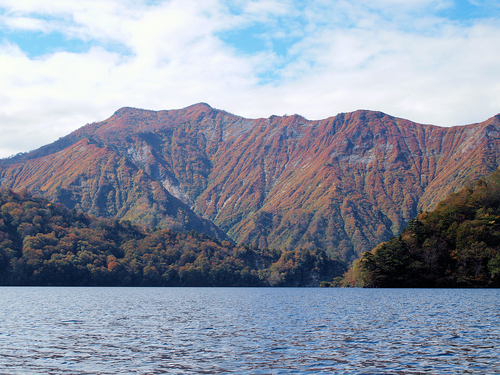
344, 184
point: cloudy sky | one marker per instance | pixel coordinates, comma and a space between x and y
65, 63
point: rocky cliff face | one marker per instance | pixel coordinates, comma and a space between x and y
344, 184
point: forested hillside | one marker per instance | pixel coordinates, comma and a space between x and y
42, 243
455, 245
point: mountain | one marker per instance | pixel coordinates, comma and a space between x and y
344, 184
105, 181
455, 245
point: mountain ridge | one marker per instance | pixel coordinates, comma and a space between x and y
344, 183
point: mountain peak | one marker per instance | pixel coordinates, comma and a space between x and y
129, 110
200, 105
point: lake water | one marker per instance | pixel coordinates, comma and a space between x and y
249, 331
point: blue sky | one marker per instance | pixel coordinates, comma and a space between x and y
65, 63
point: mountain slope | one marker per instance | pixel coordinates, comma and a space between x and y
354, 178
344, 184
99, 181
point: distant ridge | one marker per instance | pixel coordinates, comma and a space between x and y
344, 184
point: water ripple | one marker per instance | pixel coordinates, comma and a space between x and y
248, 331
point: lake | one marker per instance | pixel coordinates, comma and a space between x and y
61, 330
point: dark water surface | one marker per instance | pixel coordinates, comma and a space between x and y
249, 331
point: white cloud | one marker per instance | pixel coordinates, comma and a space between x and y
351, 55
25, 23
